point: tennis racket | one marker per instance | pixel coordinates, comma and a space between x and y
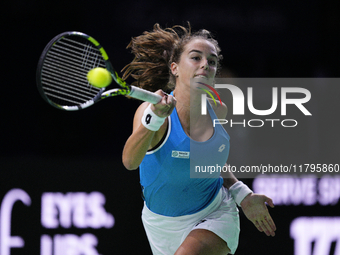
63, 67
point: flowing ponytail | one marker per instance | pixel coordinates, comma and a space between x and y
155, 51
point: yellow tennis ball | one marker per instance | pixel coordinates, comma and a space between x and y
99, 77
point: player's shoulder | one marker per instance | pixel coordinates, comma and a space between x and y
221, 110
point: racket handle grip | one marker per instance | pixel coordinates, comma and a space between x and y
144, 95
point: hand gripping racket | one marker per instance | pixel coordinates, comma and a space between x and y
63, 67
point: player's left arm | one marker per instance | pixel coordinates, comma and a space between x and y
255, 208
253, 205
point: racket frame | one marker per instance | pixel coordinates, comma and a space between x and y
124, 90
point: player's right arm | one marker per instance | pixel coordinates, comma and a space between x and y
143, 139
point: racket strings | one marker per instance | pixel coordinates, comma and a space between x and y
65, 68
88, 57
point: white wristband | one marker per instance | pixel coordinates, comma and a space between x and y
239, 191
151, 121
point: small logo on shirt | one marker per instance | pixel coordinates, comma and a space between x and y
222, 147
180, 154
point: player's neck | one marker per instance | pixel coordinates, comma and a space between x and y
189, 110
188, 102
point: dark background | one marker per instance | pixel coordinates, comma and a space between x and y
44, 149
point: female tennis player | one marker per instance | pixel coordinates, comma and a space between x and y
184, 215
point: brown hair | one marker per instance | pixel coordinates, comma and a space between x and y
155, 51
